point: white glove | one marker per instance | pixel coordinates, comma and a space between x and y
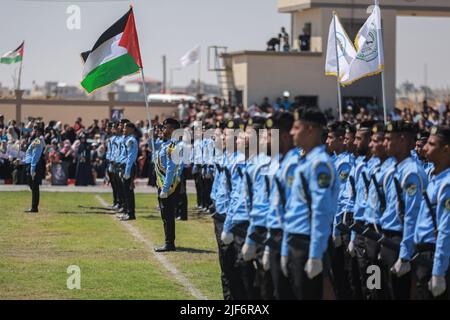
33, 175
351, 249
437, 285
284, 268
163, 195
126, 176
248, 252
337, 240
401, 268
110, 168
313, 267
265, 259
226, 237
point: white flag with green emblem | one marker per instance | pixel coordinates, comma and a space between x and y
345, 50
13, 56
369, 58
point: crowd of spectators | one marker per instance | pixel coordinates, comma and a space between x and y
76, 154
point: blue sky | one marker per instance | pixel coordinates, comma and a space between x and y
172, 27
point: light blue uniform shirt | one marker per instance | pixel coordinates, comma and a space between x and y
131, 147
343, 163
34, 153
237, 207
222, 193
413, 180
438, 191
122, 155
285, 176
323, 187
372, 213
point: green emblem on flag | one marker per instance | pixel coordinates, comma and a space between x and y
370, 51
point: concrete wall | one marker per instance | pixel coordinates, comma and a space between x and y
418, 7
67, 111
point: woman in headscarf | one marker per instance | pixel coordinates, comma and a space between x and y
83, 174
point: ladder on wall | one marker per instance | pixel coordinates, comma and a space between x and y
220, 62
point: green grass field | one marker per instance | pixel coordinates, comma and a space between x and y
35, 251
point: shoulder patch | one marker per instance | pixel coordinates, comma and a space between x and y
290, 180
447, 204
411, 189
323, 180
130, 143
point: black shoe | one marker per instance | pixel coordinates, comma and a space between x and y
166, 247
31, 211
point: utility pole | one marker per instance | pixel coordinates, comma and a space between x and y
164, 86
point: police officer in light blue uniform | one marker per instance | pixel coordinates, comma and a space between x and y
310, 209
343, 162
121, 157
231, 282
376, 203
419, 153
207, 167
110, 154
129, 172
403, 185
197, 164
432, 233
34, 166
259, 175
168, 182
281, 186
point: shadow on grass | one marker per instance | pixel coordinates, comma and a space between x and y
192, 250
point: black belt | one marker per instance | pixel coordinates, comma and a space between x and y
219, 217
259, 236
344, 228
274, 241
392, 234
299, 241
359, 226
425, 247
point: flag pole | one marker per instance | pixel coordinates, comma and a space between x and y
147, 109
338, 69
199, 71
19, 80
383, 80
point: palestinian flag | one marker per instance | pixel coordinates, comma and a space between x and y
13, 56
115, 54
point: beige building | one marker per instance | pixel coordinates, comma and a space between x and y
258, 74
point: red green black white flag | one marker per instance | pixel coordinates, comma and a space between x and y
115, 54
13, 56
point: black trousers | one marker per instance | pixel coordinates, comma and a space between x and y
231, 284
423, 267
199, 186
302, 287
246, 269
362, 263
113, 183
263, 278
396, 288
340, 272
182, 208
120, 191
207, 188
168, 208
373, 253
281, 286
34, 186
128, 189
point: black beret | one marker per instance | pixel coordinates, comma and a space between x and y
130, 125
257, 122
442, 132
172, 122
365, 125
123, 121
337, 127
221, 124
313, 115
235, 124
401, 126
282, 121
349, 128
378, 128
423, 135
